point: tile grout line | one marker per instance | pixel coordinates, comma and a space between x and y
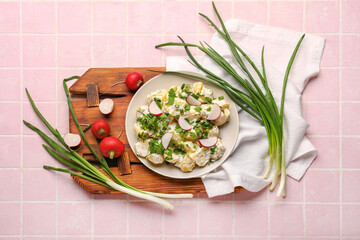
127, 217
340, 118
21, 126
82, 67
268, 12
232, 8
56, 117
268, 212
180, 236
198, 216
233, 213
154, 34
304, 110
92, 34
162, 222
123, 34
92, 200
162, 32
151, 34
303, 15
304, 209
127, 34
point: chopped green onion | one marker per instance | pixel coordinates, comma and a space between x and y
198, 109
208, 99
172, 96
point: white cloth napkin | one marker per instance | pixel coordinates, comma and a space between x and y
249, 158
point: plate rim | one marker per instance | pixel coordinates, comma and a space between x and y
194, 79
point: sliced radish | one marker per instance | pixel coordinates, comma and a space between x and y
192, 101
106, 106
72, 140
215, 112
184, 125
154, 108
208, 142
165, 139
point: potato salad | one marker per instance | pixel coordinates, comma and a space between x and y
180, 126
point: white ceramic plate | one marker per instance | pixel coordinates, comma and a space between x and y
228, 132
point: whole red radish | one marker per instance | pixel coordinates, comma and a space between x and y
100, 129
134, 81
111, 147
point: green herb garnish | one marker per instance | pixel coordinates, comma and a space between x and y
198, 131
198, 109
207, 124
158, 102
168, 152
143, 136
185, 87
192, 135
172, 96
212, 150
208, 99
156, 147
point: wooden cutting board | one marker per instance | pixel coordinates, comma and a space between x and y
96, 84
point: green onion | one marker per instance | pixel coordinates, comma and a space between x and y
198, 109
87, 171
172, 96
208, 99
256, 102
87, 127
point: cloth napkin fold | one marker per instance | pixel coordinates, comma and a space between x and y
249, 158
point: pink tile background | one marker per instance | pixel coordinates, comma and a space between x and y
43, 42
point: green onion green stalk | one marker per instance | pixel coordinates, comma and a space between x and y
82, 168
260, 104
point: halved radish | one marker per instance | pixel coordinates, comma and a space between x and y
215, 112
154, 108
208, 142
165, 139
72, 140
106, 106
184, 125
192, 101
